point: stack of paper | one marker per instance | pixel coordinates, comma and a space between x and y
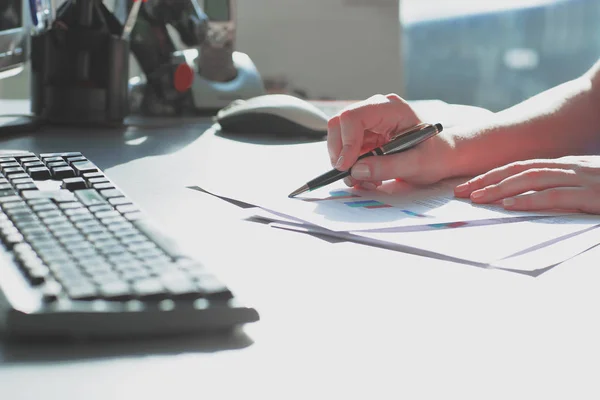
430, 221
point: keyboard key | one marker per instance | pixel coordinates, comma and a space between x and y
107, 214
17, 181
102, 186
102, 179
58, 196
16, 173
115, 201
21, 187
117, 290
74, 183
100, 207
100, 237
213, 288
181, 288
134, 216
89, 197
81, 217
61, 155
95, 263
26, 160
56, 164
149, 288
91, 175
60, 173
77, 211
81, 291
50, 291
50, 214
71, 160
109, 247
35, 164
39, 173
37, 274
8, 165
92, 229
122, 258
43, 207
70, 205
127, 208
7, 192
130, 236
83, 167
49, 160
110, 193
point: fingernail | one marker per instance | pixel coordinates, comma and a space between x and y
361, 171
348, 182
339, 162
368, 186
508, 202
477, 194
461, 188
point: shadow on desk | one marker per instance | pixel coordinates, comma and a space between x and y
269, 139
16, 352
141, 137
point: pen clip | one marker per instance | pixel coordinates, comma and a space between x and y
410, 130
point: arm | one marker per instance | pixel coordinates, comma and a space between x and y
564, 120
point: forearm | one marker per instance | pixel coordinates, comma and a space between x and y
564, 120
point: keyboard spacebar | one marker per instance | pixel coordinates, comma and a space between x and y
167, 244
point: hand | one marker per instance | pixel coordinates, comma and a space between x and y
369, 124
568, 183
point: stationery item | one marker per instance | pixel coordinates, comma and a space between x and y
131, 19
398, 143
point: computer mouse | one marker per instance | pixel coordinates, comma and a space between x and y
273, 114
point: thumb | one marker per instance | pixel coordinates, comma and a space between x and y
403, 165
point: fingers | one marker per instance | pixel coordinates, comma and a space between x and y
366, 185
533, 179
380, 114
499, 174
334, 140
401, 165
565, 198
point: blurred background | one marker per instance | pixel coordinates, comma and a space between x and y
495, 53
487, 53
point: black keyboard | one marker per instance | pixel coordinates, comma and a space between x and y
78, 258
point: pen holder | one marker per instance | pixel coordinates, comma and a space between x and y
80, 68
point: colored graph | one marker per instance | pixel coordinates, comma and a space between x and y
458, 224
367, 204
363, 204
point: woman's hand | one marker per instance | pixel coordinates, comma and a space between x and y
568, 183
369, 124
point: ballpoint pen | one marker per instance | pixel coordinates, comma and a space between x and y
398, 143
131, 19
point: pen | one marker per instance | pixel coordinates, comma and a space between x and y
131, 19
399, 142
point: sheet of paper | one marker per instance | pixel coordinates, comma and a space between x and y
394, 205
491, 243
519, 246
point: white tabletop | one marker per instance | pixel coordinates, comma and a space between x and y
338, 320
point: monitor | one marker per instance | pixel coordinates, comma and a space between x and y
14, 37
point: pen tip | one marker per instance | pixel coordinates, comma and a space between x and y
298, 191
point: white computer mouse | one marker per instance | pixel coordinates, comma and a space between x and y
273, 114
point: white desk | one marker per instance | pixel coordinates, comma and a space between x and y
338, 320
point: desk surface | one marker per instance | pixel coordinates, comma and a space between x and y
354, 322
